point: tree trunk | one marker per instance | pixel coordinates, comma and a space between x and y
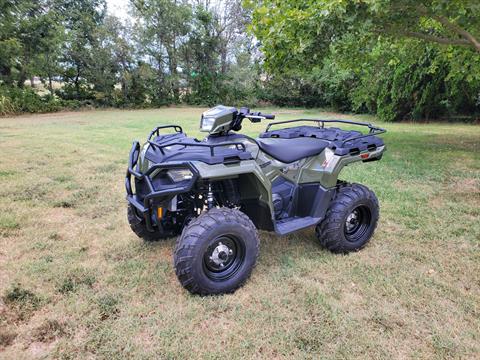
50, 83
172, 62
22, 79
6, 73
223, 57
77, 82
123, 83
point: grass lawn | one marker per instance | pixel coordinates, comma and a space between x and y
75, 282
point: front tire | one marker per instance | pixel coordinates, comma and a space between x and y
216, 252
350, 220
138, 226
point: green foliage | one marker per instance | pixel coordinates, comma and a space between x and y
298, 34
323, 86
358, 55
210, 79
398, 59
15, 100
409, 80
6, 105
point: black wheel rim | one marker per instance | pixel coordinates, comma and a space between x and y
223, 257
357, 223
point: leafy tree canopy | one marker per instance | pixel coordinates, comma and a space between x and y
293, 32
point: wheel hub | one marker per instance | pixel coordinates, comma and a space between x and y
224, 256
357, 223
352, 220
221, 254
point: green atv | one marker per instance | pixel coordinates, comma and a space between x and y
217, 192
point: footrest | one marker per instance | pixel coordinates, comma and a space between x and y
289, 225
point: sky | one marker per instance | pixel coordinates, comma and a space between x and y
119, 8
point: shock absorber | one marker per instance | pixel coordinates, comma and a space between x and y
210, 198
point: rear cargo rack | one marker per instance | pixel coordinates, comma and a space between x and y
373, 130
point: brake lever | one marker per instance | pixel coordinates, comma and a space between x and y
255, 118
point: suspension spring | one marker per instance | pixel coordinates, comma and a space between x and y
210, 198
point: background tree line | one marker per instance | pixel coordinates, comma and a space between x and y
172, 51
397, 59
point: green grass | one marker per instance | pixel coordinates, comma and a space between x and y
75, 282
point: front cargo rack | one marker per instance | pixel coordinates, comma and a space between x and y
176, 146
156, 131
238, 146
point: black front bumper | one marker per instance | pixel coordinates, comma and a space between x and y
144, 203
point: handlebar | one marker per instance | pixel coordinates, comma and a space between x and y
257, 116
245, 113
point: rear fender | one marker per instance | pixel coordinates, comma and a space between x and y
326, 167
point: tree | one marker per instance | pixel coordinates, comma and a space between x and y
162, 29
444, 22
400, 59
291, 31
47, 59
81, 19
122, 54
216, 44
28, 32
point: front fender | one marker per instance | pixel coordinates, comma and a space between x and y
259, 185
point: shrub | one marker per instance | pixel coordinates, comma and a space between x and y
413, 82
14, 100
6, 105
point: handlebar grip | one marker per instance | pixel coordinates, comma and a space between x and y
268, 116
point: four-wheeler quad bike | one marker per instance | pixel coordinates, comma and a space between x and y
217, 192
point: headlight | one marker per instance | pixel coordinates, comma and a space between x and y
177, 175
206, 123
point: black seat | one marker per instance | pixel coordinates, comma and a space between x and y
290, 150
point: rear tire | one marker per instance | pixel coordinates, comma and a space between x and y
138, 226
216, 252
350, 220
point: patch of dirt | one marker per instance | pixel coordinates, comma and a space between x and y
468, 185
456, 143
6, 338
18, 304
351, 297
436, 202
144, 339
391, 227
40, 349
464, 189
58, 215
467, 189
48, 331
